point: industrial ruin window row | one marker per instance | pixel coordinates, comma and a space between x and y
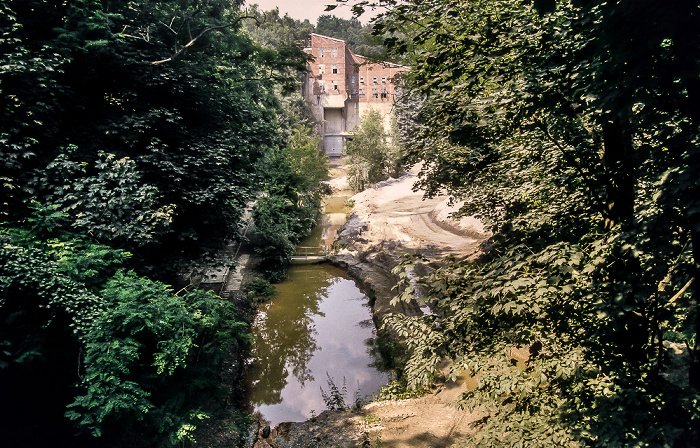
322, 52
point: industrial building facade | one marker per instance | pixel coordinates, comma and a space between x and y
342, 86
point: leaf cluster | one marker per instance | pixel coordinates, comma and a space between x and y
146, 355
568, 127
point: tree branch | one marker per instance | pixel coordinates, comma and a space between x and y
202, 33
571, 160
683, 289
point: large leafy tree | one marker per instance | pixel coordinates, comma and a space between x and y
166, 91
572, 129
368, 152
358, 37
132, 135
272, 31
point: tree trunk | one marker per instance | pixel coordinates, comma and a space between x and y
632, 331
619, 197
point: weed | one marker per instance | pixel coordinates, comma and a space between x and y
367, 443
335, 398
259, 289
372, 420
398, 390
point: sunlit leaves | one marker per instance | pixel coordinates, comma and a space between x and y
368, 152
139, 339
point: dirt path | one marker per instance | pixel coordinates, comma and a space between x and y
391, 212
429, 421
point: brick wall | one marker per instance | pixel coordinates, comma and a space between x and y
342, 87
376, 80
329, 66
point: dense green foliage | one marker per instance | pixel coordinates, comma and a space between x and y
358, 37
150, 355
167, 98
135, 134
368, 152
147, 356
290, 205
571, 129
272, 31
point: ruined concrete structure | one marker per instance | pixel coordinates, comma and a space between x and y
342, 86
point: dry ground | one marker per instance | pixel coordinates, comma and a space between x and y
392, 212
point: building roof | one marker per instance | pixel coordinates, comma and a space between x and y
359, 59
328, 37
356, 57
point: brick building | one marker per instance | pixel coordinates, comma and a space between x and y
342, 86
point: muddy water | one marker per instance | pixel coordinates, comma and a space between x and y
318, 326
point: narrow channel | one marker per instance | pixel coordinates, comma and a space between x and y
318, 327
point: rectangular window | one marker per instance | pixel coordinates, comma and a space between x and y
334, 52
321, 52
334, 68
321, 69
374, 80
322, 86
335, 85
383, 93
362, 93
353, 80
362, 80
375, 93
383, 79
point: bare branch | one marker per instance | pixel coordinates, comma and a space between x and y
169, 27
194, 40
683, 289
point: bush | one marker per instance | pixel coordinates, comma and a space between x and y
368, 152
260, 289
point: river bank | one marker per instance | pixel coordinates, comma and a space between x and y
386, 222
390, 220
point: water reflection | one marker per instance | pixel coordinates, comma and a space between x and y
317, 324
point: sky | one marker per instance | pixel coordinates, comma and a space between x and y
304, 9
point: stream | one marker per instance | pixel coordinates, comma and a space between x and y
317, 331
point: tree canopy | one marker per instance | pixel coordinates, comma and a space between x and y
133, 138
167, 98
571, 128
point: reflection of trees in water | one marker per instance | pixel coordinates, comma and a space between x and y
285, 339
384, 352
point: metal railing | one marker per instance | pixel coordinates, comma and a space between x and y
310, 253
